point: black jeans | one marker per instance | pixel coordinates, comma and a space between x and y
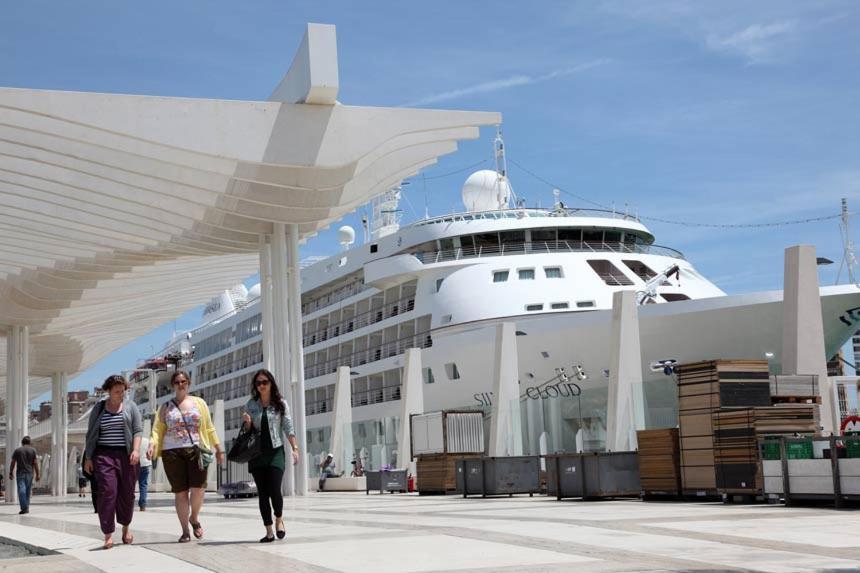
268, 480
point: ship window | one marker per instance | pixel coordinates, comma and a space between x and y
439, 283
612, 237
592, 237
544, 353
572, 235
610, 274
446, 319
374, 247
500, 276
446, 244
672, 296
526, 274
451, 371
552, 272
428, 375
534, 307
641, 269
584, 303
543, 236
513, 241
487, 242
559, 305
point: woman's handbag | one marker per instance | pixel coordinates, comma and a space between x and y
246, 446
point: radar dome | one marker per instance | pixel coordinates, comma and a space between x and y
486, 190
254, 292
346, 235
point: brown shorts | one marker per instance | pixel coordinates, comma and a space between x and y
182, 469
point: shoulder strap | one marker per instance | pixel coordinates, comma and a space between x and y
181, 413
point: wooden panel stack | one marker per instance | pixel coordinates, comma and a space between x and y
704, 388
736, 435
659, 461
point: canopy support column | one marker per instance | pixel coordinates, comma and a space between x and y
59, 434
297, 361
17, 391
267, 325
280, 332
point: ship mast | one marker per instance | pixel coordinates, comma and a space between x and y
848, 258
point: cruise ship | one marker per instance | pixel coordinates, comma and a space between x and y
443, 283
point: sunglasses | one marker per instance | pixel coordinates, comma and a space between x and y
261, 382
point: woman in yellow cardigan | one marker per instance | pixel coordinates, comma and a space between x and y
184, 437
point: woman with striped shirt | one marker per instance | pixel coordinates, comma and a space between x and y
113, 439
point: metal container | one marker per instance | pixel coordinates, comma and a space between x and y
447, 433
499, 476
593, 475
382, 481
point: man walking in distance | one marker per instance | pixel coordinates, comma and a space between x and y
143, 475
25, 459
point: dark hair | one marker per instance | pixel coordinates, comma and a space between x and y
275, 398
114, 380
180, 373
25, 441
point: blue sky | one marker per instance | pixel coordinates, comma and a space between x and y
705, 112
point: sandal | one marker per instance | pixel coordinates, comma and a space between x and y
127, 538
195, 528
186, 537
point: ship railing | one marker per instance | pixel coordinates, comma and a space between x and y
386, 393
208, 371
522, 213
347, 325
369, 355
334, 297
545, 247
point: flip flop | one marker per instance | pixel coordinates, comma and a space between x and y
185, 538
197, 527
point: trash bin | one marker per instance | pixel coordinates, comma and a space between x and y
593, 475
386, 480
499, 476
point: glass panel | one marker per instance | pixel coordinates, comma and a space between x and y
552, 272
500, 276
526, 274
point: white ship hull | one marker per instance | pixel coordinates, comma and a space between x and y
745, 326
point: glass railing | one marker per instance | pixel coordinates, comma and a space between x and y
373, 354
358, 321
544, 248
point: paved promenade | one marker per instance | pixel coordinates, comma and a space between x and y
406, 533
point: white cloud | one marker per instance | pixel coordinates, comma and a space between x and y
502, 84
757, 43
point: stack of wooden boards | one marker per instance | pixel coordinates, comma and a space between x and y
659, 461
704, 388
736, 436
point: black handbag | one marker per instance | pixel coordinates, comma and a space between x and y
247, 446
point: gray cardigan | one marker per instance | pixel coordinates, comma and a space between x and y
131, 417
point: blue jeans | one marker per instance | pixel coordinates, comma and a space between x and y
25, 488
143, 485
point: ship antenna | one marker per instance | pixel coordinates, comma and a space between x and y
848, 258
502, 162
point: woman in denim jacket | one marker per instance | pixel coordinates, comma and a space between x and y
268, 412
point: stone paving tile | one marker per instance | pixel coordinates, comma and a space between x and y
334, 532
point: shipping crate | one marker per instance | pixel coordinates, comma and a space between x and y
437, 473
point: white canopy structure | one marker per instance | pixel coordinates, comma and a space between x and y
120, 212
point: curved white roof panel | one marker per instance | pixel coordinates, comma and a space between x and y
120, 212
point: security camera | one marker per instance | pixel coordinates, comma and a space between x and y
188, 335
667, 366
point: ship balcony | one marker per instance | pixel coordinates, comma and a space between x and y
369, 355
538, 248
